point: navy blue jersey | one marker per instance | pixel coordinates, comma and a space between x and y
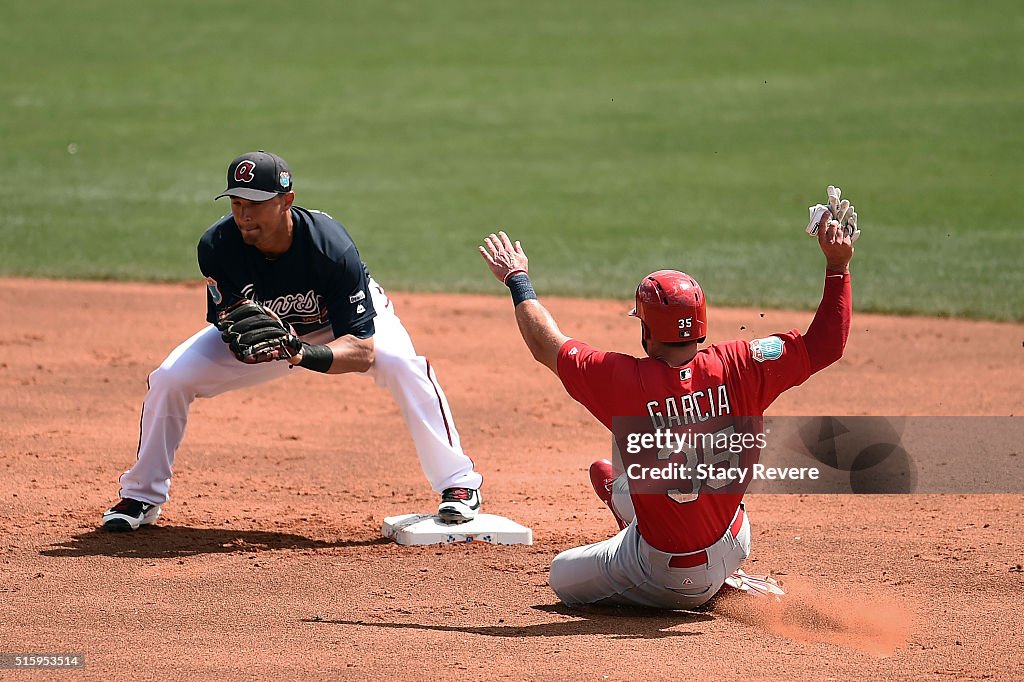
319, 281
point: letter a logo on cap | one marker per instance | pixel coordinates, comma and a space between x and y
243, 171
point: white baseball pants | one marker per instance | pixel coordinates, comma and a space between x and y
625, 570
203, 366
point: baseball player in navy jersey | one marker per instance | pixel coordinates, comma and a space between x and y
676, 547
302, 268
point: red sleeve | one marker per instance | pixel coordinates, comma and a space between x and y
763, 368
826, 337
590, 377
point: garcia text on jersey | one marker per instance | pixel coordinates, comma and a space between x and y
689, 408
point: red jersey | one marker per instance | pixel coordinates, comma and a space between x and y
722, 383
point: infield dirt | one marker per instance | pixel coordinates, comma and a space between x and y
268, 560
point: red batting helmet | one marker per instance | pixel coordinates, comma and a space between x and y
672, 307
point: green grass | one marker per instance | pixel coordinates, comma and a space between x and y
612, 138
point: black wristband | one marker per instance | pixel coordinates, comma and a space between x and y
520, 287
317, 358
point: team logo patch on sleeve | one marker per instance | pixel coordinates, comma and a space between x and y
211, 286
769, 348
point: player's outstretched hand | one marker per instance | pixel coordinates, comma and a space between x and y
836, 243
839, 210
504, 257
835, 226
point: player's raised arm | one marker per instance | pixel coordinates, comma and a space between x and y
836, 230
509, 264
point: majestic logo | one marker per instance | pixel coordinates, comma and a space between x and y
211, 286
574, 351
244, 171
360, 309
769, 348
285, 180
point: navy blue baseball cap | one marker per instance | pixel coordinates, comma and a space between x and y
258, 176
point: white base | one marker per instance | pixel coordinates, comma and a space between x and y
427, 529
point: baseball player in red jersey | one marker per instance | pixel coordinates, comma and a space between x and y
677, 548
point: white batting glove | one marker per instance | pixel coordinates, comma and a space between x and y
841, 210
833, 199
851, 225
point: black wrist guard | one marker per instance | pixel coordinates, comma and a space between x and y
316, 358
520, 287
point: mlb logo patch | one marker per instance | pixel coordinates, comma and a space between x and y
766, 349
685, 374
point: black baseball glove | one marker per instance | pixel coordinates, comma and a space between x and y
256, 334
